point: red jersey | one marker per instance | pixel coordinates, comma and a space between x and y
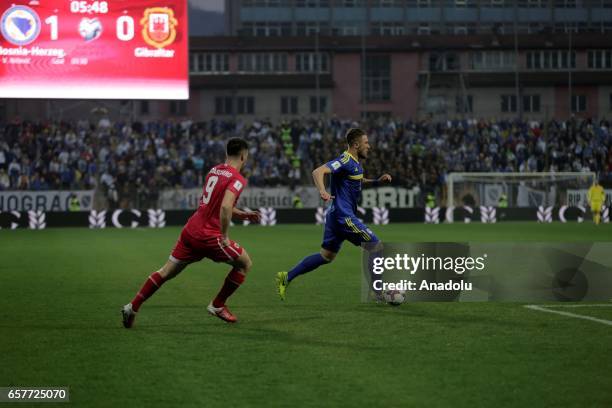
205, 222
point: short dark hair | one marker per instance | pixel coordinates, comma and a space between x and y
353, 135
235, 146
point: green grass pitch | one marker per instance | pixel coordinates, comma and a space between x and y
61, 291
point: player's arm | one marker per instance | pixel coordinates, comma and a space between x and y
385, 178
225, 214
253, 216
318, 175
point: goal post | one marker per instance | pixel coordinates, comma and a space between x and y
520, 189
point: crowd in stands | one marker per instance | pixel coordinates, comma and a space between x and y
137, 160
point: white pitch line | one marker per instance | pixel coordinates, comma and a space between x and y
583, 305
568, 314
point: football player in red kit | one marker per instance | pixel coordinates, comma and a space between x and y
206, 236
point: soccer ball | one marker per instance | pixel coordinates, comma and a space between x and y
90, 29
394, 297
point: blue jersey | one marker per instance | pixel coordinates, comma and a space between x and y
346, 178
341, 223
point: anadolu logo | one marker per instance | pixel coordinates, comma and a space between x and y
159, 26
20, 25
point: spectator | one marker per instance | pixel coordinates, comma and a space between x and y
132, 162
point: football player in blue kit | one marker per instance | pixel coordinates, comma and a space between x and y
341, 223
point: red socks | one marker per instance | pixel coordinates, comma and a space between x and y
232, 282
153, 282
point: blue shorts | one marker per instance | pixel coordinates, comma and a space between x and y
338, 229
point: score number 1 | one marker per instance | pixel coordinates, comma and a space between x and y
52, 21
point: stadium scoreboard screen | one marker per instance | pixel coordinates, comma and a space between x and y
118, 49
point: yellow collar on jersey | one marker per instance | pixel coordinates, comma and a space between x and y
350, 155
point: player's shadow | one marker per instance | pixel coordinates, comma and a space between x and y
252, 330
198, 306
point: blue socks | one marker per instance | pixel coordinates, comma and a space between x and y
307, 264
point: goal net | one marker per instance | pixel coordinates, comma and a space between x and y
518, 189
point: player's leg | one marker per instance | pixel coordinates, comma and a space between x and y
360, 235
182, 254
233, 280
311, 262
241, 263
329, 248
171, 268
596, 210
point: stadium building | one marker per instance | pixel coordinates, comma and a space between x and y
282, 59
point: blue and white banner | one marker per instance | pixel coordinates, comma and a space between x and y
282, 197
48, 201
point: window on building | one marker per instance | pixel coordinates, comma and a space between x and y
310, 28
348, 29
262, 62
352, 3
376, 81
310, 62
464, 104
551, 59
224, 105
462, 3
144, 107
245, 105
424, 29
209, 63
312, 3
579, 103
388, 29
460, 29
443, 61
564, 3
266, 29
266, 3
321, 107
531, 103
289, 105
493, 3
372, 115
389, 3
178, 108
532, 3
492, 60
508, 103
600, 59
572, 27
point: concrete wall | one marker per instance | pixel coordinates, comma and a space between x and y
562, 101
487, 103
605, 108
267, 102
347, 82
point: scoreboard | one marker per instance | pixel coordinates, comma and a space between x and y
115, 49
